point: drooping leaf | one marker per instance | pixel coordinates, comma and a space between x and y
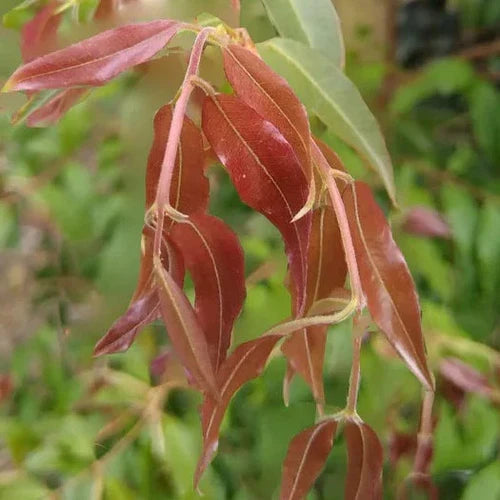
317, 26
144, 307
306, 456
122, 333
214, 258
330, 95
54, 109
365, 460
39, 35
96, 60
184, 331
270, 95
326, 272
264, 171
245, 363
386, 280
189, 189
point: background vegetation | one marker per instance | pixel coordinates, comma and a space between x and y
71, 211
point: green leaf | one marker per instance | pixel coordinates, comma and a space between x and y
329, 94
317, 25
488, 247
485, 103
485, 484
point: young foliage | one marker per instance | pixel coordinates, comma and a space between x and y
333, 230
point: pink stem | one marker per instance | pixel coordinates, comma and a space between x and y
345, 232
357, 338
423, 454
168, 165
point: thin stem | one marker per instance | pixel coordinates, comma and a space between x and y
345, 232
357, 337
424, 439
168, 165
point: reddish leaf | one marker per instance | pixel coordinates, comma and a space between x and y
424, 221
96, 60
145, 305
270, 95
245, 363
214, 257
189, 189
464, 376
326, 272
265, 172
305, 459
184, 331
105, 9
39, 35
386, 280
122, 333
55, 108
166, 368
365, 460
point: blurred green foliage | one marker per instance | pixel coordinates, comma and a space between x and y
77, 428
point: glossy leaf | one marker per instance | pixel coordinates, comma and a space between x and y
39, 35
270, 95
306, 457
386, 280
184, 331
214, 258
189, 188
317, 26
96, 60
365, 461
327, 271
264, 171
245, 363
330, 95
54, 109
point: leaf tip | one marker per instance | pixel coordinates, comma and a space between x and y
8, 86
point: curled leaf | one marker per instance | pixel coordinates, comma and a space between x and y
365, 460
214, 258
96, 60
265, 172
184, 331
245, 363
386, 280
306, 456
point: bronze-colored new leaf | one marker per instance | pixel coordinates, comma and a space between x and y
245, 363
265, 172
189, 188
270, 95
96, 60
365, 460
184, 331
326, 272
306, 457
214, 258
386, 280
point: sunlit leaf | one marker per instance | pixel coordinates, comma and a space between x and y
184, 331
305, 458
214, 258
265, 172
330, 95
364, 464
96, 60
386, 280
317, 25
271, 96
244, 364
